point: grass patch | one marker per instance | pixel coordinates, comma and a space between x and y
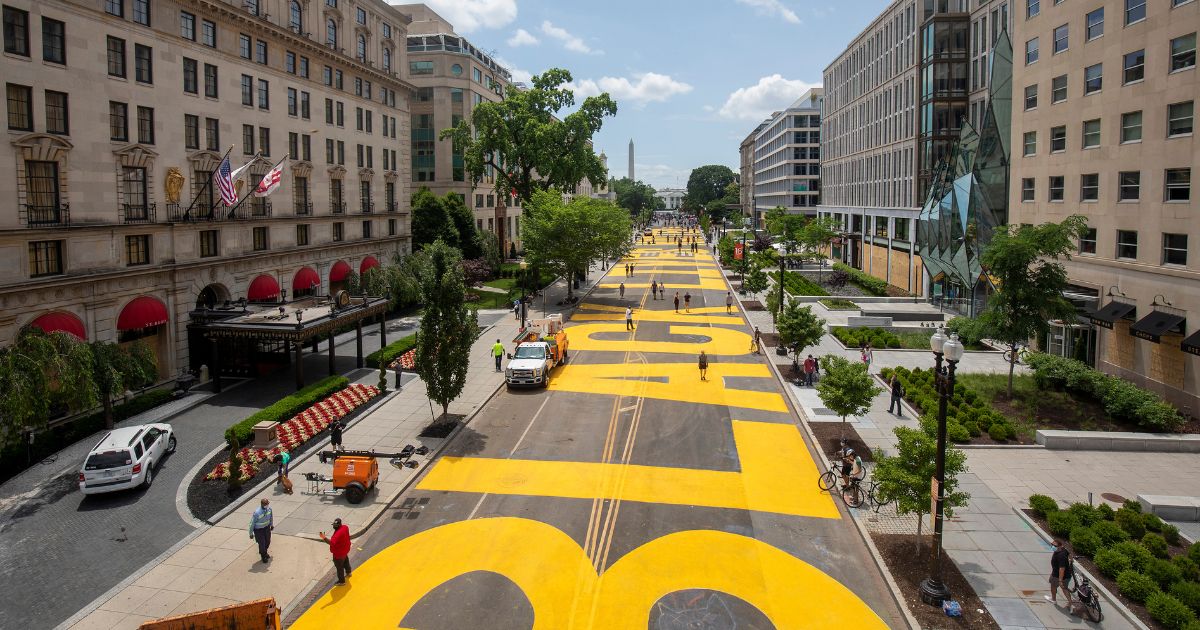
507, 284
488, 299
1035, 408
797, 284
838, 304
391, 352
879, 338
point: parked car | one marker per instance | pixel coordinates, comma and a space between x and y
126, 458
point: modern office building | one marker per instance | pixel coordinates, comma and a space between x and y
746, 174
1105, 128
786, 168
452, 76
119, 112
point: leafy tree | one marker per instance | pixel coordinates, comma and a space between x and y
762, 242
527, 145
816, 235
846, 388
756, 281
475, 272
116, 369
708, 183
634, 196
565, 238
906, 476
448, 327
38, 372
431, 220
464, 225
799, 328
1025, 262
491, 253
705, 224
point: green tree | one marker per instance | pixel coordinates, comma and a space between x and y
464, 225
564, 238
846, 388
756, 280
448, 327
490, 252
1030, 280
431, 220
906, 476
816, 235
799, 328
38, 372
116, 369
634, 196
708, 183
527, 145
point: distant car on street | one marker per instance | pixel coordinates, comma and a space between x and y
126, 458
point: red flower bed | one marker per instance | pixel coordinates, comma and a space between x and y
299, 429
406, 360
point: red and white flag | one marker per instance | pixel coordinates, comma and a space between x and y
270, 181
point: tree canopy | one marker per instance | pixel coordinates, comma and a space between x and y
448, 326
634, 196
799, 328
708, 183
905, 477
565, 238
447, 218
846, 388
524, 143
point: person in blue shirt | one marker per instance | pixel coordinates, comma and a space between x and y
261, 524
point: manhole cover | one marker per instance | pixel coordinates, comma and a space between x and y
1112, 498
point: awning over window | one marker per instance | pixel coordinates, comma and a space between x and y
306, 279
1191, 345
339, 271
60, 321
368, 263
1158, 323
263, 289
142, 312
1111, 312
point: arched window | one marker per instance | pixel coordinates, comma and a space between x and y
331, 33
387, 59
296, 17
362, 48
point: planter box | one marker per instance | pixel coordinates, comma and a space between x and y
1119, 441
1171, 508
266, 434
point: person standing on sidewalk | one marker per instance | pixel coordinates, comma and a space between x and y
654, 289
810, 366
755, 341
339, 548
728, 302
261, 524
628, 318
867, 355
687, 302
622, 290
897, 394
626, 270
703, 366
335, 434
676, 301
1060, 573
498, 353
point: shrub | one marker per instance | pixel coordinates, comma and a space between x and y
1131, 522
1042, 505
957, 433
1136, 586
1187, 593
1112, 562
997, 431
1168, 611
1155, 544
1163, 572
1109, 532
391, 352
286, 407
867, 283
1085, 513
1189, 569
1085, 541
1123, 400
1193, 552
1132, 504
1106, 511
1152, 523
1171, 534
1137, 554
972, 428
1061, 523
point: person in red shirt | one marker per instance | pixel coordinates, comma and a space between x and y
339, 547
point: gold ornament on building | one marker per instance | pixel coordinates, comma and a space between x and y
174, 184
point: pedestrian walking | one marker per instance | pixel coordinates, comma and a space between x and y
1060, 573
662, 291
728, 302
867, 355
755, 341
676, 301
703, 366
897, 393
339, 548
679, 247
622, 290
632, 267
261, 524
628, 318
498, 353
335, 434
687, 302
654, 289
809, 368
517, 309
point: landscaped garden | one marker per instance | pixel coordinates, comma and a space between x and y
1155, 573
839, 304
880, 338
798, 284
969, 417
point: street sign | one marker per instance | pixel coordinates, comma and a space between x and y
737, 251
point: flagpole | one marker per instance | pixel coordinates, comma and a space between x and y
207, 184
213, 206
257, 157
251, 190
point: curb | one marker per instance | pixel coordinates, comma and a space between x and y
1113, 601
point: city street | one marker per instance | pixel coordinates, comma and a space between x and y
630, 494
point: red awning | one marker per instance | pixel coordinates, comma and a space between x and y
368, 263
59, 321
263, 289
142, 312
339, 272
305, 279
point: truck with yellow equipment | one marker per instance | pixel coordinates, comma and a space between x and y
541, 350
260, 614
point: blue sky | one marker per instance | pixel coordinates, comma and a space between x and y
691, 78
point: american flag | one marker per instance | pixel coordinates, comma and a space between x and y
270, 181
223, 182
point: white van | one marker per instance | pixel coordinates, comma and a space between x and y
125, 458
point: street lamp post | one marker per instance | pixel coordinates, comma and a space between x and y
524, 280
933, 589
745, 261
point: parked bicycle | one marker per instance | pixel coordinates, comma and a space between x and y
852, 493
1086, 598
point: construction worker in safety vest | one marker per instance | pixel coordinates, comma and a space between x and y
498, 352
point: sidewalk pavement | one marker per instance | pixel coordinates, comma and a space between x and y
219, 565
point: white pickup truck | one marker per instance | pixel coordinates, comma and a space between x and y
545, 348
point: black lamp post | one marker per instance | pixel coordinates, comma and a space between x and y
933, 588
745, 260
524, 279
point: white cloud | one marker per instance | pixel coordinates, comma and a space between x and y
659, 175
522, 38
772, 8
761, 99
645, 88
569, 41
472, 15
518, 75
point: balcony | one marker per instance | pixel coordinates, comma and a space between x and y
337, 207
367, 207
259, 209
47, 216
304, 208
132, 214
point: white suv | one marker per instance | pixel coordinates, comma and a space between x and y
125, 458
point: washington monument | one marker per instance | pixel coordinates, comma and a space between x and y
631, 178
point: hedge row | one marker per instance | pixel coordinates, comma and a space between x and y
877, 337
865, 281
1133, 549
286, 407
391, 352
1123, 400
967, 414
796, 284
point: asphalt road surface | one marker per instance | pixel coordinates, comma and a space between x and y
629, 494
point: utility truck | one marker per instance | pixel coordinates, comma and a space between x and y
539, 351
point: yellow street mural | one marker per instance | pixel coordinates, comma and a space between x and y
624, 379
722, 341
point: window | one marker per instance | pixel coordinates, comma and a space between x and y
387, 60
336, 198
391, 227
295, 17
293, 105
1027, 189
118, 121
210, 80
187, 25
20, 107
1179, 119
305, 109
358, 120
1183, 52
337, 79
133, 190
1093, 78
1058, 139
1127, 244
1135, 66
212, 133
420, 67
209, 242
293, 144
1135, 11
115, 7
264, 141
358, 86
1091, 133
341, 114
1178, 184
1175, 249
1095, 24
145, 124
361, 48
1056, 188
251, 6
41, 191
305, 147
264, 93
244, 44
1061, 39
141, 12
137, 249
331, 33
1087, 241
247, 90
116, 57
56, 113
143, 70
289, 62
16, 31
247, 139
329, 150
54, 34
302, 234
191, 131
339, 231
1089, 187
260, 239
387, 30
1129, 185
260, 52
1131, 127
45, 258
366, 229
190, 80
478, 76
1031, 96
1032, 8
1030, 143
360, 15
1058, 89
208, 33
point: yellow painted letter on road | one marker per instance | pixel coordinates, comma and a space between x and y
683, 383
720, 341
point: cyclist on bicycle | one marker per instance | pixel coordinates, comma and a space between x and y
852, 467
